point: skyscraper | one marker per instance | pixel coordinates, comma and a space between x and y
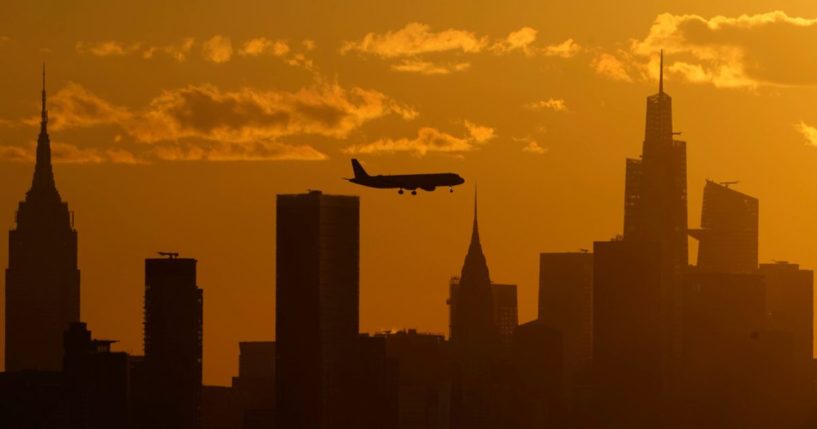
473, 329
628, 350
566, 305
655, 186
42, 279
728, 235
316, 317
475, 342
173, 343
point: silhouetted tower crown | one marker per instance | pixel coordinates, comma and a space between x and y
43, 183
475, 268
658, 127
472, 326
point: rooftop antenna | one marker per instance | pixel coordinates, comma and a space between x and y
661, 74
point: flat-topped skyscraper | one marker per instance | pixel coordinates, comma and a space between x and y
42, 279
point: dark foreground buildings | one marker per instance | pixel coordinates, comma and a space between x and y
316, 318
173, 345
42, 279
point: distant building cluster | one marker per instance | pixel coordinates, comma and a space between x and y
628, 334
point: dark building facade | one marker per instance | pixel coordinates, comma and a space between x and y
316, 317
475, 342
42, 279
789, 305
628, 355
96, 381
728, 237
173, 344
506, 313
255, 384
422, 378
566, 305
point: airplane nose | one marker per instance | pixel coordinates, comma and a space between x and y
460, 180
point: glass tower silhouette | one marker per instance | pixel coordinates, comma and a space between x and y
316, 310
173, 343
42, 279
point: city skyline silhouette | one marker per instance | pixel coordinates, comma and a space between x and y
194, 163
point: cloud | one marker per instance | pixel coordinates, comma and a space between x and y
204, 122
106, 48
264, 46
722, 51
610, 66
225, 151
428, 140
567, 49
113, 48
410, 47
66, 153
73, 106
217, 49
15, 154
415, 39
532, 146
554, 104
479, 133
809, 132
428, 67
518, 40
206, 112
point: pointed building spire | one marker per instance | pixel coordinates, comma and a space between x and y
475, 244
44, 111
43, 182
661, 74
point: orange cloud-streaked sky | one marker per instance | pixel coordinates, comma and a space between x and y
174, 126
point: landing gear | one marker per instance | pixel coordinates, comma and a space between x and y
400, 192
451, 190
413, 192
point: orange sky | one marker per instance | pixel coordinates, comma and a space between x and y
175, 126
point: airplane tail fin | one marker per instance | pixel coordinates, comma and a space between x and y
358, 169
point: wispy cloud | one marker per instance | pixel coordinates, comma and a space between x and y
429, 140
263, 46
246, 115
112, 48
554, 104
217, 49
204, 122
66, 153
410, 48
532, 146
428, 67
226, 151
808, 132
722, 51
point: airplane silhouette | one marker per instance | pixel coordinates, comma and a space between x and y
426, 182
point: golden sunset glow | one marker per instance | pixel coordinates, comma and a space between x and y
173, 127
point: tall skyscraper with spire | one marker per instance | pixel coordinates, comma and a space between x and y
472, 312
474, 340
655, 211
42, 279
655, 189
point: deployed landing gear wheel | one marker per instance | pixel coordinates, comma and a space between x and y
451, 190
400, 192
413, 192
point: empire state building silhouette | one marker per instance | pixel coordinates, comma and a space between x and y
42, 279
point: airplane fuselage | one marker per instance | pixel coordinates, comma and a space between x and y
427, 182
